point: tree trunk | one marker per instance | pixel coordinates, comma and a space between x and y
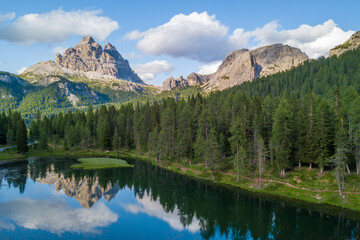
340, 192
357, 167
260, 179
310, 166
212, 174
299, 164
347, 168
271, 157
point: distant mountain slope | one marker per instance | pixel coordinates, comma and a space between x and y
352, 43
12, 90
63, 93
86, 60
242, 66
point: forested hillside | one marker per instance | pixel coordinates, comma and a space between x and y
307, 116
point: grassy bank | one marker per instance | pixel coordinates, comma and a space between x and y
302, 183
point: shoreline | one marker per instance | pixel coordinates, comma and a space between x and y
272, 188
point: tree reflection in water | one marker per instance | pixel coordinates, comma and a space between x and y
185, 203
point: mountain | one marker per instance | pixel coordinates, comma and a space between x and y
12, 90
60, 94
86, 61
192, 80
244, 65
351, 44
86, 191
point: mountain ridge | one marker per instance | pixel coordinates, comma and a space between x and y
86, 59
244, 65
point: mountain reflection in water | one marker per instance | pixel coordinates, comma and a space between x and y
45, 195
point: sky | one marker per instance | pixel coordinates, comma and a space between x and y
171, 38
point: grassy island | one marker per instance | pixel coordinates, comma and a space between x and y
101, 163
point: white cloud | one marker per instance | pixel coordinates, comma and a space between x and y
202, 37
20, 70
154, 209
315, 41
148, 71
57, 26
55, 217
209, 68
197, 36
7, 16
59, 49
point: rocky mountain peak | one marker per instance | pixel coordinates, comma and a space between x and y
86, 40
352, 43
88, 59
111, 50
244, 65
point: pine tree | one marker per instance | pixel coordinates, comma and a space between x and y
21, 137
212, 152
340, 158
237, 141
282, 135
116, 140
43, 141
260, 157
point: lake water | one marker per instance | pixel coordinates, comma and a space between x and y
43, 198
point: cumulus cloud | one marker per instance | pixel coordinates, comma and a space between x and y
57, 26
315, 40
150, 70
197, 36
202, 37
209, 68
154, 209
55, 217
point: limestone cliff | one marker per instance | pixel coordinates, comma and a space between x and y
351, 44
86, 60
243, 65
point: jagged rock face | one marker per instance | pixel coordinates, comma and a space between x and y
81, 190
192, 80
171, 83
244, 65
351, 44
87, 59
238, 66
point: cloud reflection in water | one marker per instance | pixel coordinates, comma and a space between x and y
55, 217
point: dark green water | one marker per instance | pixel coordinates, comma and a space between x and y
42, 198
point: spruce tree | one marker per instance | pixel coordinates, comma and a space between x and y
282, 135
43, 141
21, 137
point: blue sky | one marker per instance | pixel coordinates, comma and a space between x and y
163, 38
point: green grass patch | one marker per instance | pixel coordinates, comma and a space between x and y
100, 163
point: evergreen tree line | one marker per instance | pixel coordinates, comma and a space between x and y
308, 115
13, 131
253, 133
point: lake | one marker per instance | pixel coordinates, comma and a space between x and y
43, 198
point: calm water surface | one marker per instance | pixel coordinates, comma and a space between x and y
43, 198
